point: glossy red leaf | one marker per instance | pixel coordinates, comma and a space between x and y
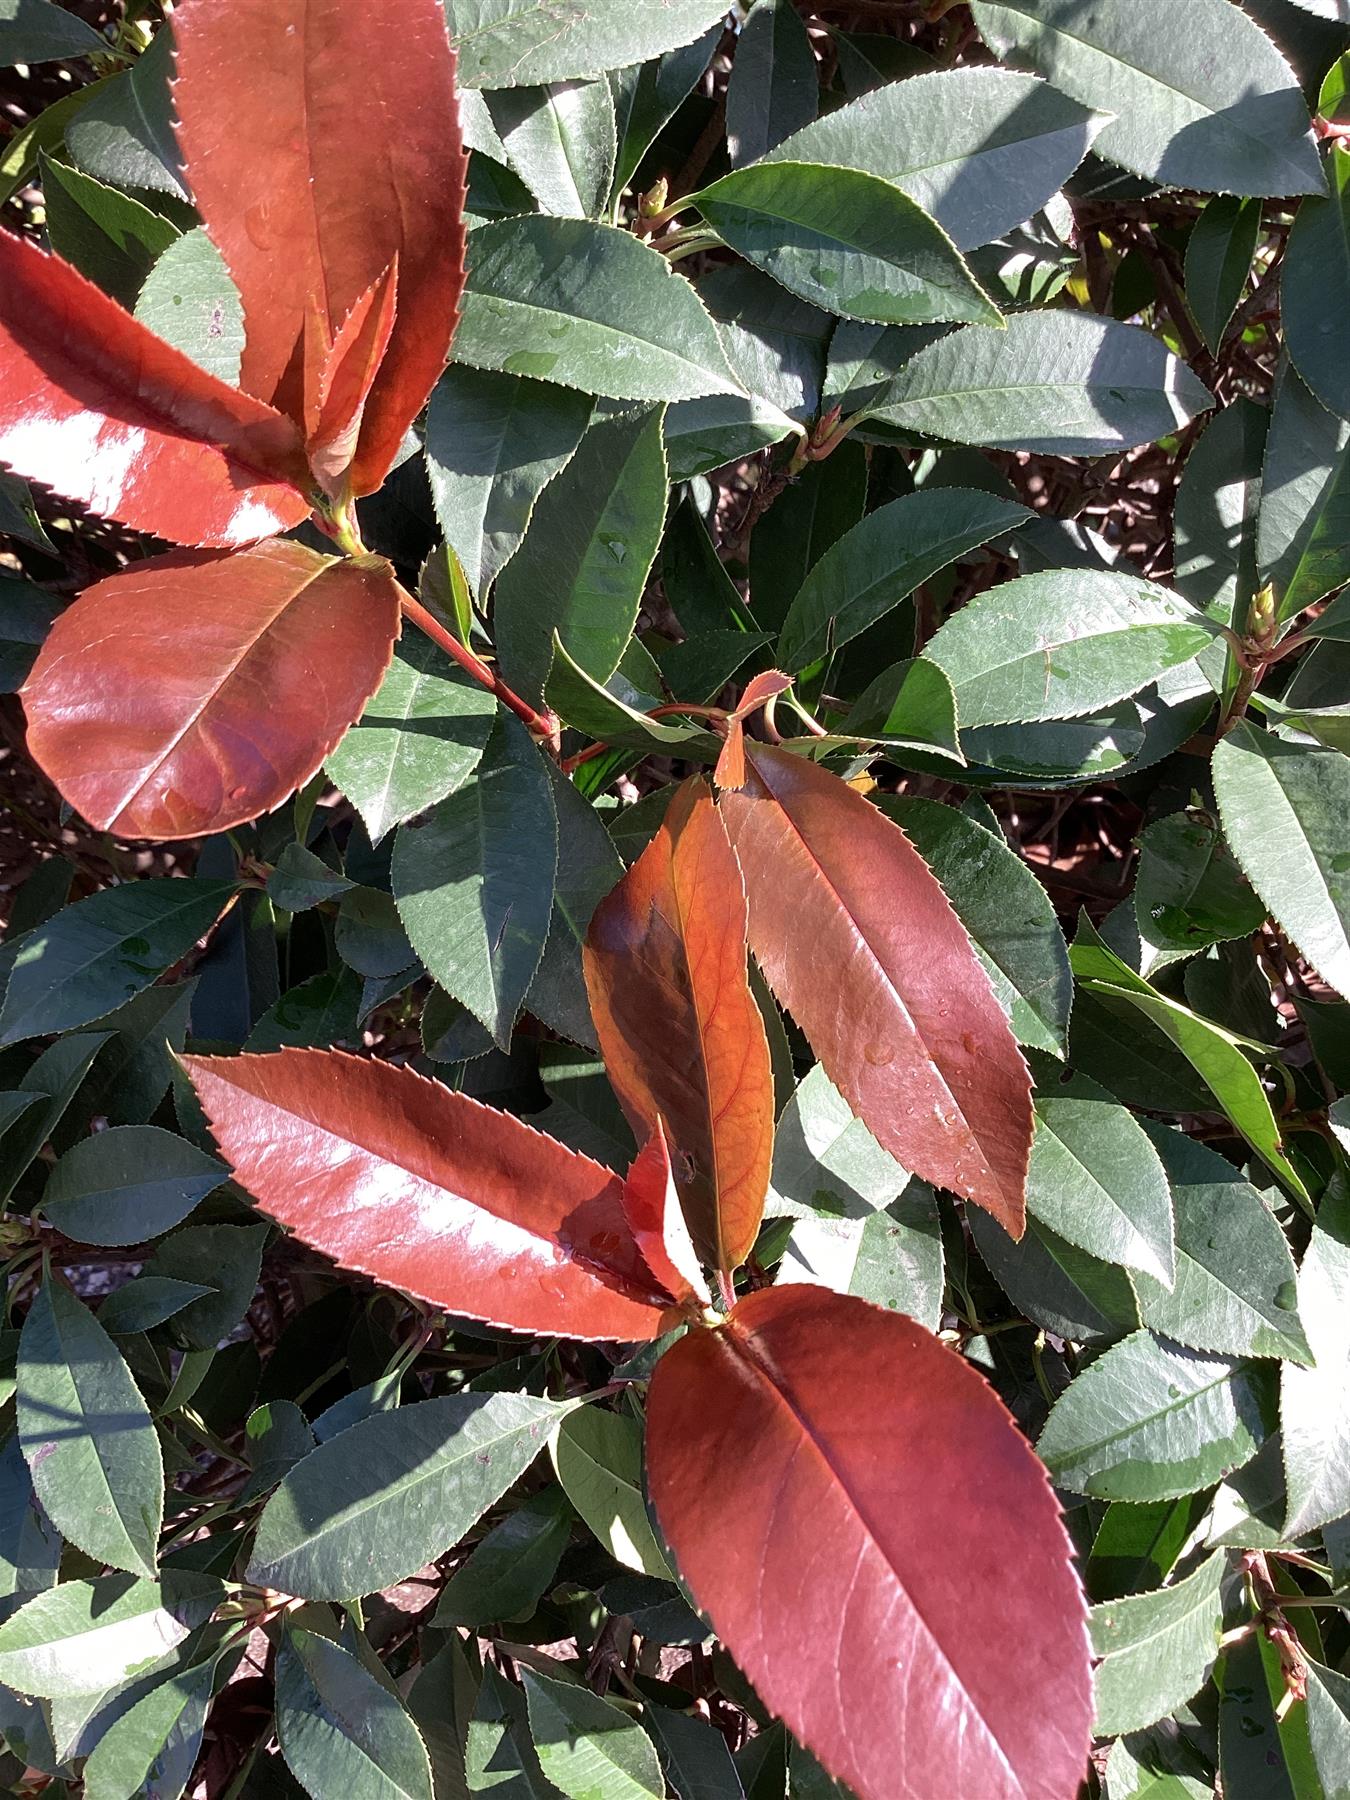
97, 407
651, 1204
730, 770
192, 691
429, 1191
348, 374
683, 1040
322, 145
890, 992
877, 1545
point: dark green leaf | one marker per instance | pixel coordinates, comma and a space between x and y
123, 133
494, 442
584, 562
128, 1183
26, 616
503, 1577
35, 31
694, 1755
99, 952
225, 1258
87, 1434
846, 241
588, 1748
583, 304
147, 1301
1156, 1649
562, 142
774, 86
1201, 97
979, 149
1329, 1728
1315, 288
1189, 893
877, 564
588, 867
598, 1456
1151, 1420
340, 1730
1060, 1287
386, 1496
1218, 257
30, 1545
475, 881
1062, 383
105, 234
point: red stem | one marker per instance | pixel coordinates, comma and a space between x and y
541, 725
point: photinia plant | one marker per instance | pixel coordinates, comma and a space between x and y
720, 1173
804, 1451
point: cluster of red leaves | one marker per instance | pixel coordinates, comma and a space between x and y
834, 1483
200, 688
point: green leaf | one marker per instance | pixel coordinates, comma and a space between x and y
826, 1161
86, 1637
588, 867
647, 96
1006, 911
1062, 383
827, 499
775, 82
598, 1457
342, 1731
605, 714
475, 880
1234, 1291
1157, 1649
1137, 1547
1151, 1420
502, 42
1315, 288
498, 1756
694, 1755
846, 241
123, 133
1061, 644
569, 301
879, 563
28, 1118
494, 442
369, 935
1219, 256
153, 1746
1095, 1179
225, 1258
96, 954
30, 1545
584, 562
419, 739
1201, 97
127, 1184
147, 1301
562, 141
1215, 1054
26, 616
1329, 1727
1315, 1402
34, 31
911, 703
394, 1492
1060, 1287
300, 879
314, 1014
981, 150
1304, 525
1216, 513
190, 300
109, 237
587, 1748
1260, 1753
87, 1434
1189, 893
1284, 808
892, 1257
503, 1577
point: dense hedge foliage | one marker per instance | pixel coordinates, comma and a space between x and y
676, 999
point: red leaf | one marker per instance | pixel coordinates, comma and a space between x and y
859, 943
192, 692
877, 1546
682, 1038
346, 379
322, 143
431, 1192
100, 409
651, 1204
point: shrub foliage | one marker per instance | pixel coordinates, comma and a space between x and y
677, 983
